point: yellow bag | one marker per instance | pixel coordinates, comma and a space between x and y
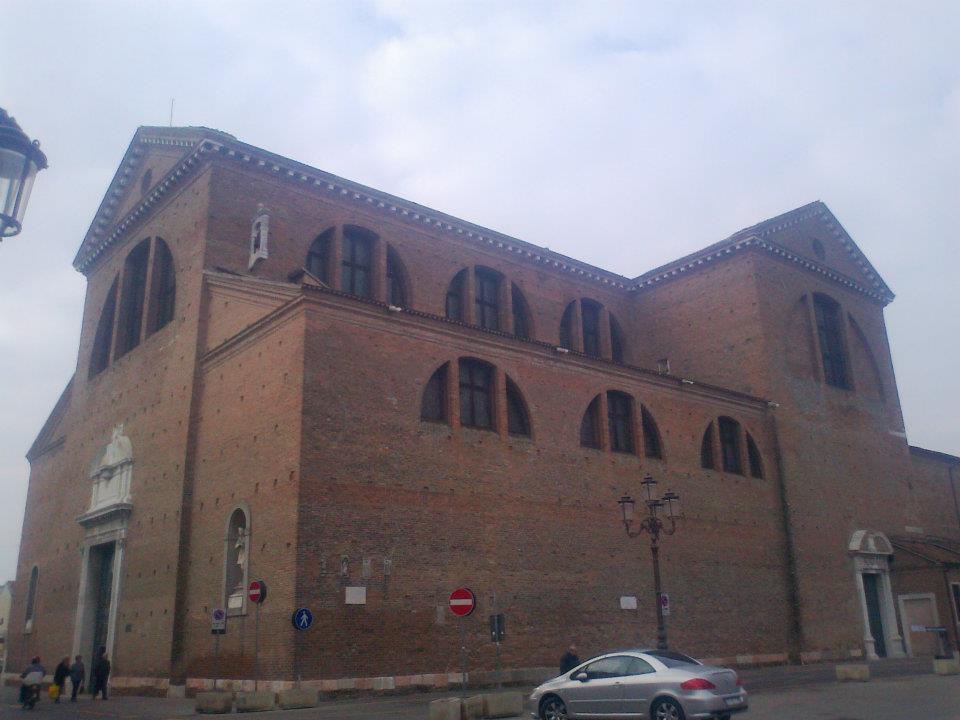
53, 691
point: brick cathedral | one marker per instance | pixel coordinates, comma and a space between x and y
287, 376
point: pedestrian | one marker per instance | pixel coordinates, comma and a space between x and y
78, 673
101, 673
60, 675
569, 660
31, 679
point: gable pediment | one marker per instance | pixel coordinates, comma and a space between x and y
152, 155
810, 236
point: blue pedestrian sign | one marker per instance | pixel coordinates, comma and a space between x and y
302, 618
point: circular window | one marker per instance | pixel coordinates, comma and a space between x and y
819, 250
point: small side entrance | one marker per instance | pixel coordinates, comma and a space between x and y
871, 551
875, 621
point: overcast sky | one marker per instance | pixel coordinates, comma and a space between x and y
625, 135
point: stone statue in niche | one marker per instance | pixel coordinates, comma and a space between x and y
240, 548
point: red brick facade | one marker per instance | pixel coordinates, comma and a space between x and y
298, 403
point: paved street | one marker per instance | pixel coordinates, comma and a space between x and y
927, 697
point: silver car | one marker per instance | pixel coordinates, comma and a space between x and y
656, 684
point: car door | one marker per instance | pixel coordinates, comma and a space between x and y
600, 695
639, 685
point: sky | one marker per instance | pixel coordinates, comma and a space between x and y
622, 134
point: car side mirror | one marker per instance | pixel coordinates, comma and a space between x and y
581, 676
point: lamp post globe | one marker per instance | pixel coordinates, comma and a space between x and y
20, 161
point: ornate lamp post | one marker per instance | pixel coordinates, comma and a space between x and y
661, 519
20, 161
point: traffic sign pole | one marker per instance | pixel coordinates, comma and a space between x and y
463, 659
462, 603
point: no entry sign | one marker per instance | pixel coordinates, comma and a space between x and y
257, 591
462, 602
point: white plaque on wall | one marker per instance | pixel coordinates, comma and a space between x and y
628, 602
356, 595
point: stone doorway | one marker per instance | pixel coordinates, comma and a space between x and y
871, 552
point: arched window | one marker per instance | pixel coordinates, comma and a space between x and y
616, 341
237, 551
476, 394
100, 357
706, 449
454, 301
652, 446
357, 261
753, 456
730, 445
31, 599
318, 257
590, 425
566, 328
593, 332
433, 406
832, 346
487, 298
620, 417
396, 280
591, 327
521, 313
163, 288
132, 297
518, 423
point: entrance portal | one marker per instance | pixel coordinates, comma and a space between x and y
101, 590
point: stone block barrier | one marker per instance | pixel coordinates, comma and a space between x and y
446, 709
502, 704
258, 701
214, 703
946, 666
853, 672
298, 698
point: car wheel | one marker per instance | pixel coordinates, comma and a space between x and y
667, 709
553, 708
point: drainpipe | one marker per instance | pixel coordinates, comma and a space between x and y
795, 637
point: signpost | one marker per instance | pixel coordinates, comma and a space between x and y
257, 593
218, 627
498, 630
665, 603
462, 603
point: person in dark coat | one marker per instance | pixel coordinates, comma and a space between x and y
569, 660
31, 679
60, 675
78, 673
101, 673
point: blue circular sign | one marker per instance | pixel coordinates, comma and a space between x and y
302, 618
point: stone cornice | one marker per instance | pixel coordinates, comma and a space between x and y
697, 262
98, 240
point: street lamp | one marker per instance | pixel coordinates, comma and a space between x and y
661, 519
20, 160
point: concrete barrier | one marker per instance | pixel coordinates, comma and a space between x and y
258, 701
853, 672
946, 666
446, 709
473, 707
214, 703
502, 704
297, 699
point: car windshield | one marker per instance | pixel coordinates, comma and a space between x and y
673, 659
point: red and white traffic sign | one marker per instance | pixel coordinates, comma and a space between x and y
462, 602
257, 592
